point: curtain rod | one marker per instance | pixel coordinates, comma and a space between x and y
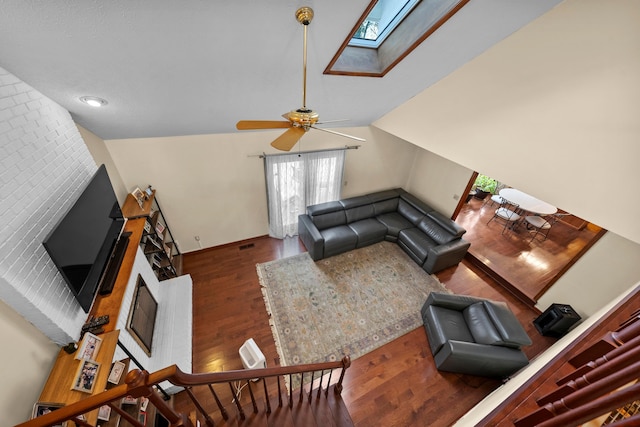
346, 147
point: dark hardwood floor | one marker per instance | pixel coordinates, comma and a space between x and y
529, 267
395, 385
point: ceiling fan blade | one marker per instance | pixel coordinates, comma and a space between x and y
331, 121
261, 124
287, 140
341, 134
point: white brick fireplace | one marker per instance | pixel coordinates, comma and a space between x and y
44, 164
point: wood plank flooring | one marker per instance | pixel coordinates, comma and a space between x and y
395, 385
530, 267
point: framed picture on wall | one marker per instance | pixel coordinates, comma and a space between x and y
85, 379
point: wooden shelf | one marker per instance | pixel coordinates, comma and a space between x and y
58, 387
110, 304
131, 209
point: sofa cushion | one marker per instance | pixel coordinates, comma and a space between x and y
338, 239
327, 215
480, 325
359, 212
385, 195
385, 201
416, 203
438, 234
369, 231
394, 223
443, 324
323, 208
409, 212
507, 324
447, 223
385, 206
416, 242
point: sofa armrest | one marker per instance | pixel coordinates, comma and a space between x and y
444, 256
311, 237
480, 359
451, 301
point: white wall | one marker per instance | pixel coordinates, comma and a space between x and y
552, 110
43, 165
212, 186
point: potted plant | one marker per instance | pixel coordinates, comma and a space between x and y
484, 186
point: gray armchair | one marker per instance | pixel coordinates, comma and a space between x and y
474, 336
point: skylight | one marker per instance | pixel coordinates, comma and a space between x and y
386, 32
380, 22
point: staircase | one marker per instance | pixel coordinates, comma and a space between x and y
256, 397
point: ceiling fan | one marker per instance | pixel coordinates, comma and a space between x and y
297, 121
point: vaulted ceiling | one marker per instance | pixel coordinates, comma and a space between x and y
198, 66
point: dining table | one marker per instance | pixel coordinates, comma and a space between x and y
527, 202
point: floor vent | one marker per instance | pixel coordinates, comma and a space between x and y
247, 246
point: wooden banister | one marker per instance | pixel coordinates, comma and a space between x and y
141, 383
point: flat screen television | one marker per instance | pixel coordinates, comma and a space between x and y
82, 244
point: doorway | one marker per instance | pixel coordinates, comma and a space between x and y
526, 267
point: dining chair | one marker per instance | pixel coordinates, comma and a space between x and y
508, 213
540, 224
495, 197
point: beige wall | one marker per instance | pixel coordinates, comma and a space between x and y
606, 270
99, 152
212, 186
26, 361
552, 110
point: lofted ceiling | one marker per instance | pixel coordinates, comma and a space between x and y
190, 67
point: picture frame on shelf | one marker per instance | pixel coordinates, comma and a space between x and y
42, 408
116, 372
85, 378
139, 196
89, 348
129, 400
104, 413
149, 191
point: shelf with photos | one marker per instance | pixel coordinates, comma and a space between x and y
157, 241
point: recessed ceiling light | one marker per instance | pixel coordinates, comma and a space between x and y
93, 101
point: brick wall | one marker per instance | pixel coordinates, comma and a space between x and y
44, 164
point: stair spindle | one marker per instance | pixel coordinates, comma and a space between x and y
326, 392
266, 395
253, 399
221, 407
198, 406
237, 401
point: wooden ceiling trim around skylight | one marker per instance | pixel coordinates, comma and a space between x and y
369, 62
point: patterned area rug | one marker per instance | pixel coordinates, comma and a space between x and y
349, 304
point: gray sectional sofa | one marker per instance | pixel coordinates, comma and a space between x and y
431, 239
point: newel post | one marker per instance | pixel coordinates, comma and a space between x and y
138, 382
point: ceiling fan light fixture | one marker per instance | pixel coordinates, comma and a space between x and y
94, 101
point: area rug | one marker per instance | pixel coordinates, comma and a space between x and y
349, 304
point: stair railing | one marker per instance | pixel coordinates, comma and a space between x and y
141, 384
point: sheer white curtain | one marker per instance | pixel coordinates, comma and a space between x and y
295, 181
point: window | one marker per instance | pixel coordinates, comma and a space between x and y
387, 31
295, 181
380, 22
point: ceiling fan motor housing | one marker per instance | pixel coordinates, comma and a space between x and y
303, 117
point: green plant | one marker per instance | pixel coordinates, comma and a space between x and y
485, 183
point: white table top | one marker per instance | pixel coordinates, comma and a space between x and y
527, 202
